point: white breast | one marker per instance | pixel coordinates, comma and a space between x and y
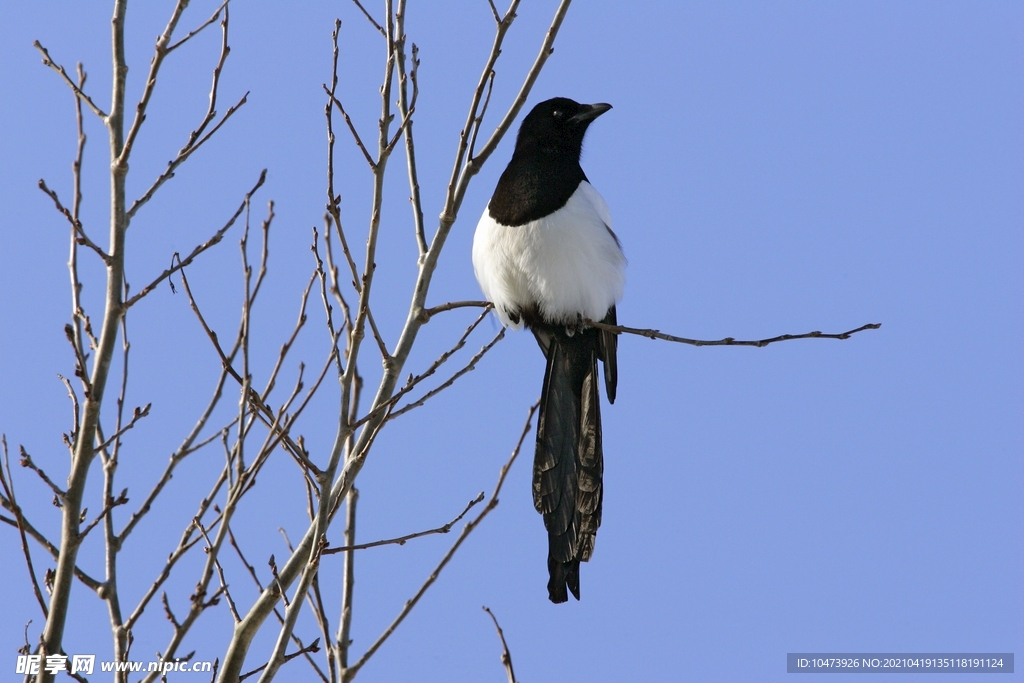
568, 264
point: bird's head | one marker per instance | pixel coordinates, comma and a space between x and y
557, 126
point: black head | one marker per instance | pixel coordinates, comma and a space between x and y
557, 126
545, 167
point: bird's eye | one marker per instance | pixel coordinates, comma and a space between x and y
558, 114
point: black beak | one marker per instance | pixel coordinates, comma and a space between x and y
589, 112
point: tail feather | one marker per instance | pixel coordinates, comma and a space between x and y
608, 351
563, 575
569, 462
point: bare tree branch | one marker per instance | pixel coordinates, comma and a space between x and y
107, 507
111, 547
76, 225
214, 240
401, 540
459, 177
137, 415
9, 500
406, 105
352, 129
20, 522
386, 407
728, 341
81, 322
427, 313
183, 154
220, 570
506, 656
312, 647
546, 49
369, 18
259, 586
194, 139
479, 120
348, 580
160, 51
79, 93
196, 31
26, 461
494, 12
85, 451
468, 367
334, 200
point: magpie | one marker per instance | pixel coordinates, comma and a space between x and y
545, 255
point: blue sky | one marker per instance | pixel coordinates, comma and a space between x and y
770, 167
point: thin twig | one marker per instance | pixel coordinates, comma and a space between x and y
427, 313
478, 122
320, 614
259, 586
81, 367
76, 225
183, 154
198, 29
320, 273
26, 461
186, 543
312, 647
75, 415
20, 522
546, 49
67, 79
411, 383
107, 507
187, 447
287, 345
214, 240
506, 656
334, 200
468, 367
352, 129
159, 52
137, 415
220, 570
401, 540
194, 141
370, 18
80, 319
7, 481
405, 107
728, 341
494, 12
381, 346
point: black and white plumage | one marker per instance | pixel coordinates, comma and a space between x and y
545, 255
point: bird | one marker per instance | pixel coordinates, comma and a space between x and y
546, 258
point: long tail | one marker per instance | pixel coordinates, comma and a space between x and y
569, 462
